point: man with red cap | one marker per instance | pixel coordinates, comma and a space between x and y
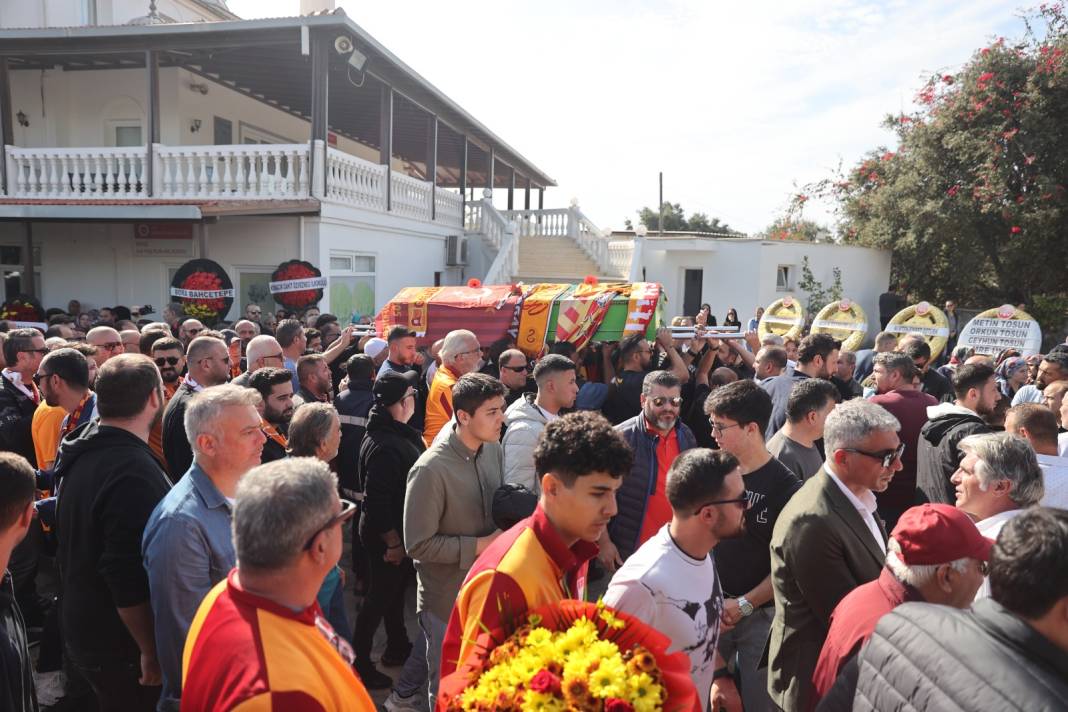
935, 555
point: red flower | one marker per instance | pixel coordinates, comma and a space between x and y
1016, 230
952, 190
887, 156
546, 682
614, 704
947, 78
984, 51
590, 280
474, 283
986, 77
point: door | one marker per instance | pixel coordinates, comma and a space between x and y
223, 130
693, 282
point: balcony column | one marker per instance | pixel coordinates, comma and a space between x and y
27, 260
320, 112
463, 175
526, 196
432, 164
385, 140
511, 188
541, 198
7, 134
489, 173
152, 132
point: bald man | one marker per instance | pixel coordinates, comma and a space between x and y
131, 340
107, 341
262, 351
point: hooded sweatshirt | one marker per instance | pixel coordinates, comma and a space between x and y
937, 454
524, 421
108, 483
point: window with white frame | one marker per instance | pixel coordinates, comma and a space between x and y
125, 132
12, 282
783, 276
352, 285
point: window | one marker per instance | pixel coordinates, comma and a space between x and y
125, 132
782, 278
352, 285
11, 272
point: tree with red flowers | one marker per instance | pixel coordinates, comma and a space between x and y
973, 201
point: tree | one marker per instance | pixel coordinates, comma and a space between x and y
973, 202
786, 228
675, 220
818, 295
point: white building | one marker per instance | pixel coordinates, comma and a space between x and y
746, 272
133, 143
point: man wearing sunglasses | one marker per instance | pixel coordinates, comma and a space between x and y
671, 582
169, 356
514, 371
209, 365
240, 649
107, 341
19, 396
63, 379
657, 436
827, 541
935, 555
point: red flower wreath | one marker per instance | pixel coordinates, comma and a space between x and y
297, 269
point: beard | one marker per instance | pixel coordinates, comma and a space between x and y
169, 375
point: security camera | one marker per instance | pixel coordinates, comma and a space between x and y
343, 45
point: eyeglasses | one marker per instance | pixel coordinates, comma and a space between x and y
224, 359
886, 457
111, 346
717, 427
167, 360
194, 332
38, 377
742, 501
472, 351
516, 369
33, 351
279, 356
347, 510
660, 401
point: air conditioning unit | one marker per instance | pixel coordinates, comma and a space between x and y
455, 250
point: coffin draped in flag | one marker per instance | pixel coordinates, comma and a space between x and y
432, 312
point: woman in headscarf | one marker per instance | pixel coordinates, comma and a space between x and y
1011, 375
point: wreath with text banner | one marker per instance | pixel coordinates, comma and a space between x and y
297, 284
22, 308
204, 289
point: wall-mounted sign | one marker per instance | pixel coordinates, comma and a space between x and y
163, 240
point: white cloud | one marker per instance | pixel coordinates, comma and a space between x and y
735, 102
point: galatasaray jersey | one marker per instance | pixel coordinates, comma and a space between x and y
249, 654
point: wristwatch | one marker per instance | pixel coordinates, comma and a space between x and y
745, 606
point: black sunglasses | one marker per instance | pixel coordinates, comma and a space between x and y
168, 360
887, 457
347, 510
38, 377
517, 369
742, 501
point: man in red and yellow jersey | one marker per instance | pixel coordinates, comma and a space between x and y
460, 354
581, 461
259, 642
169, 355
66, 401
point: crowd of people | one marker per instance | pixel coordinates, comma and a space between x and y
813, 528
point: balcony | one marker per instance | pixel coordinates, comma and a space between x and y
259, 172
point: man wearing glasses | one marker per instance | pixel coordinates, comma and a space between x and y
460, 354
671, 582
515, 374
209, 365
169, 357
262, 352
240, 651
107, 341
19, 396
739, 413
828, 540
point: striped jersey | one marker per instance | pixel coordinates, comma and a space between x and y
250, 654
439, 403
528, 566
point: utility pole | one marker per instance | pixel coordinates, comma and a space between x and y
660, 207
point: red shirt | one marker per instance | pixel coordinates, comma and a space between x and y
852, 623
910, 409
657, 508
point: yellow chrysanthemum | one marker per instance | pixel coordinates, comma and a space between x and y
541, 702
604, 682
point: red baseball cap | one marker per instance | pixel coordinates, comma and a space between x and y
937, 534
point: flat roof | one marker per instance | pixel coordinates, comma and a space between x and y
34, 45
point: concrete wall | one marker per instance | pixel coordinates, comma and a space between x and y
741, 273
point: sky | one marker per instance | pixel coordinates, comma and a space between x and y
737, 103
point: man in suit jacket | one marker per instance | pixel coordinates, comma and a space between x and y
827, 541
209, 365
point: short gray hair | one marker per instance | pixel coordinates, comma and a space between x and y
772, 340
204, 409
457, 342
1003, 456
309, 428
278, 507
853, 421
918, 574
260, 346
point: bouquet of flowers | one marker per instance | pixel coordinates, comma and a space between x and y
204, 289
297, 269
571, 656
21, 308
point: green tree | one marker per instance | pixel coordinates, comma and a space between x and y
675, 220
973, 201
818, 295
788, 228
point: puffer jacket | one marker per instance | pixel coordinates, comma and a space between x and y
524, 422
633, 495
937, 455
927, 657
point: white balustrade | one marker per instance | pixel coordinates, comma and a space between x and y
253, 172
356, 181
505, 265
448, 207
76, 173
409, 196
540, 223
620, 255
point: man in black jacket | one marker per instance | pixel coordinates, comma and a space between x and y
17, 483
278, 408
937, 455
209, 365
23, 351
353, 405
1015, 644
108, 483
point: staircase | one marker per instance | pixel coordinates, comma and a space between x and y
558, 245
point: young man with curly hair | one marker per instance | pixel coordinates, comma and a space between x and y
580, 462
